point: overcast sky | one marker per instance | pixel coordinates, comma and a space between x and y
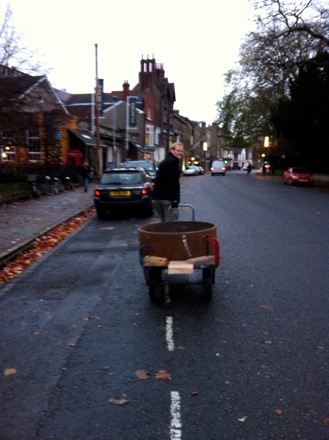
197, 43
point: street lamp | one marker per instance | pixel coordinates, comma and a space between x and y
266, 145
205, 148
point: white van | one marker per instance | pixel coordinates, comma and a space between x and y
218, 167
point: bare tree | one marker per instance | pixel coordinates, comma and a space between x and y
309, 18
13, 52
287, 35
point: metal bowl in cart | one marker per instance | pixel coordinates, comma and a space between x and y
178, 247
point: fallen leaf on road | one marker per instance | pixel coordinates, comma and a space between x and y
266, 307
119, 401
278, 411
142, 374
242, 419
163, 375
194, 393
9, 371
325, 420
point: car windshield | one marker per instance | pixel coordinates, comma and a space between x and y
121, 178
300, 171
146, 165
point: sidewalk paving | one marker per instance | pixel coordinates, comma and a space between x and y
23, 221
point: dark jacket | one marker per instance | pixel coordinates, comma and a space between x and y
85, 172
166, 186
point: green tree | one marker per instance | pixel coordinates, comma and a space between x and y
301, 120
287, 38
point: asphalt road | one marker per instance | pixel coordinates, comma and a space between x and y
85, 355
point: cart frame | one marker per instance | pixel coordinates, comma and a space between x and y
153, 272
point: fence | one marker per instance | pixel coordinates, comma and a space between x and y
14, 190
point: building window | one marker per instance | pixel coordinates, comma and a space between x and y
149, 135
157, 136
9, 149
33, 145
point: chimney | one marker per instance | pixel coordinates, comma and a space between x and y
126, 91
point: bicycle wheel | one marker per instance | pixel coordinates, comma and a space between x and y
48, 189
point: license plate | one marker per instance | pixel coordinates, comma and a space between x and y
303, 180
120, 193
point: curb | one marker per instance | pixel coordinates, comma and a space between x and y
11, 253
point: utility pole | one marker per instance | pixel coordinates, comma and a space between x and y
97, 105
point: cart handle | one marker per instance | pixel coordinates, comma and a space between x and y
215, 242
185, 205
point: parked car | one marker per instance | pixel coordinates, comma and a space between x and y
147, 164
298, 176
191, 170
266, 168
247, 166
218, 167
120, 189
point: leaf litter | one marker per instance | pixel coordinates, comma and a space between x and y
42, 245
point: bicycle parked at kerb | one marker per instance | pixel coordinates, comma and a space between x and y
52, 186
67, 184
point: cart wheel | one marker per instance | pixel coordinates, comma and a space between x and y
207, 281
154, 280
147, 275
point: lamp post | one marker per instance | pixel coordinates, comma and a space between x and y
97, 105
263, 167
205, 148
266, 145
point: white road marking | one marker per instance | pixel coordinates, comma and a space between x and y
175, 423
169, 333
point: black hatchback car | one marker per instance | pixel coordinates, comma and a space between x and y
121, 189
147, 164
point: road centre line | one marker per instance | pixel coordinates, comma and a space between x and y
175, 422
169, 333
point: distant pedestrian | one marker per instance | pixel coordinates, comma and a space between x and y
166, 194
85, 173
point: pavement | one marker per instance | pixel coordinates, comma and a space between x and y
23, 221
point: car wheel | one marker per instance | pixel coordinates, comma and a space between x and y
154, 280
100, 213
149, 210
289, 182
207, 281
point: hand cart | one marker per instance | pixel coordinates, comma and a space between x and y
178, 247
